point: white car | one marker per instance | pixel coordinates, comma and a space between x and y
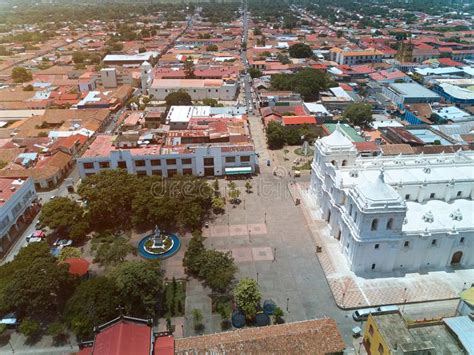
62, 243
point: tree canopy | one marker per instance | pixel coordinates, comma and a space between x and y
178, 98
94, 303
307, 82
138, 284
34, 284
247, 296
66, 217
359, 114
300, 50
116, 199
21, 75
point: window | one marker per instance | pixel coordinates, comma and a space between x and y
344, 162
141, 173
374, 225
230, 159
88, 165
390, 223
380, 349
377, 246
187, 171
172, 172
122, 164
371, 330
186, 161
333, 162
459, 194
156, 172
373, 267
350, 209
461, 241
208, 161
155, 162
406, 244
407, 196
245, 158
434, 242
104, 165
139, 163
355, 216
432, 195
171, 161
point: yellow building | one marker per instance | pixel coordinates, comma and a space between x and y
390, 334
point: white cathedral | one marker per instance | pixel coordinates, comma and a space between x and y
389, 213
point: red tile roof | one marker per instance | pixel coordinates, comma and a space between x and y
298, 120
318, 336
164, 345
123, 338
77, 266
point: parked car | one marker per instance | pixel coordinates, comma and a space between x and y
62, 243
363, 314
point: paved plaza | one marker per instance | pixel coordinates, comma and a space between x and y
269, 241
352, 291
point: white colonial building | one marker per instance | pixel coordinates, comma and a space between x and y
401, 213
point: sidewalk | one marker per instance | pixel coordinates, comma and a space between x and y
354, 291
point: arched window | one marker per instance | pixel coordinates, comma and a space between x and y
344, 162
375, 223
333, 162
390, 223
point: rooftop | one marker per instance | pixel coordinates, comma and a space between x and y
319, 336
413, 90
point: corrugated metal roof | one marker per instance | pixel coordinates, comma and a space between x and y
463, 327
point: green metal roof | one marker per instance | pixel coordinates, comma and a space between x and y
238, 170
350, 132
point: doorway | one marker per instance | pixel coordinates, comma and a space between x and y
456, 259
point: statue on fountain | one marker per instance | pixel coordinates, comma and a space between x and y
158, 238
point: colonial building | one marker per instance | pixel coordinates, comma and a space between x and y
17, 208
405, 213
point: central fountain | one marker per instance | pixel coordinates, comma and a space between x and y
158, 245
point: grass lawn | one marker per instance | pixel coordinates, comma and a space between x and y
174, 297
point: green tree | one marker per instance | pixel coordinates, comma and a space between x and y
217, 269
197, 320
359, 114
275, 135
69, 252
192, 257
94, 303
57, 330
29, 327
21, 75
34, 284
278, 315
218, 204
255, 73
307, 82
138, 284
247, 296
212, 48
189, 69
66, 217
109, 195
215, 186
111, 254
178, 98
248, 186
300, 50
210, 102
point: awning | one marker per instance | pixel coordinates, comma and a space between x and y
239, 170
